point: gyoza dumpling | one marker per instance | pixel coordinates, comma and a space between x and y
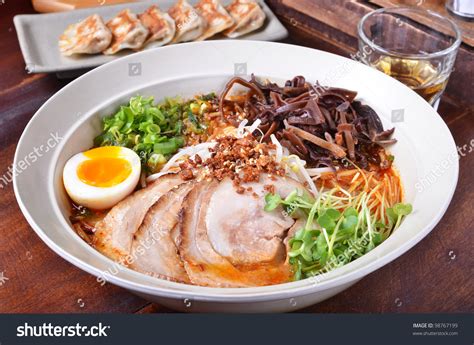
189, 24
160, 25
216, 17
127, 32
248, 16
89, 36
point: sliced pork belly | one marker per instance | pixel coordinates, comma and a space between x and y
241, 230
114, 234
175, 235
153, 249
223, 245
203, 265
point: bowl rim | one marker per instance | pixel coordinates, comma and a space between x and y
229, 295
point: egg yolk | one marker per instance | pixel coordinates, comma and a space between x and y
104, 168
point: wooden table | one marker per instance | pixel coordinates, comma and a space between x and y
435, 276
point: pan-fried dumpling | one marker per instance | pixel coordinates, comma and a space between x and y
160, 25
216, 17
127, 32
189, 24
89, 36
248, 17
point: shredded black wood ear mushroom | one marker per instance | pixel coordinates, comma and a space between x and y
237, 80
323, 125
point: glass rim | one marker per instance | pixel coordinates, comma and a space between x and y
455, 45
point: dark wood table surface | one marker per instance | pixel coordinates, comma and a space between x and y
434, 276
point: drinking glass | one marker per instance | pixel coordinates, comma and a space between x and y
415, 46
461, 8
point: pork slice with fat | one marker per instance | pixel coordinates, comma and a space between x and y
114, 233
153, 249
241, 230
204, 264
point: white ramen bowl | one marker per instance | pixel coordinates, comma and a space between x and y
74, 113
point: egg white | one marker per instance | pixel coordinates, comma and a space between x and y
99, 198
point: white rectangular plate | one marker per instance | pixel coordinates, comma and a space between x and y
38, 35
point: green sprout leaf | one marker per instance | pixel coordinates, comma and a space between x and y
350, 211
272, 201
377, 238
348, 225
326, 222
401, 209
392, 216
333, 213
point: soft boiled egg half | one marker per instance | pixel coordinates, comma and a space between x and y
101, 177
